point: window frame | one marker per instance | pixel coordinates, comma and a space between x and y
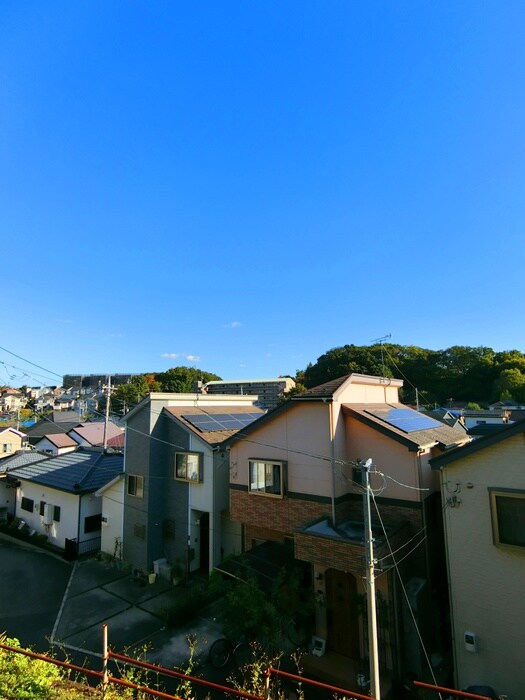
186, 478
138, 481
24, 503
283, 477
494, 494
92, 523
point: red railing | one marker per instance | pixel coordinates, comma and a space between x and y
105, 678
451, 691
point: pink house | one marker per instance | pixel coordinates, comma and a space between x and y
295, 478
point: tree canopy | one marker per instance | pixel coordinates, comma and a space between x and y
176, 379
458, 373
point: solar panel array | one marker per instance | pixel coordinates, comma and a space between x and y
405, 419
208, 422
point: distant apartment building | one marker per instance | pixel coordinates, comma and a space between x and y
94, 381
269, 391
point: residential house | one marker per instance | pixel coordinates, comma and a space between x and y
95, 434
177, 492
56, 497
483, 491
112, 508
481, 417
8, 485
53, 424
12, 401
295, 478
11, 440
56, 444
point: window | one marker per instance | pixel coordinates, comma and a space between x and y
7, 447
188, 466
56, 514
268, 478
27, 504
508, 517
139, 530
42, 507
168, 529
135, 485
93, 523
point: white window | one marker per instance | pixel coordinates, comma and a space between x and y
267, 478
188, 466
508, 517
7, 447
135, 485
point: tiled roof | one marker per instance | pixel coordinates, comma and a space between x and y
323, 391
216, 436
20, 459
93, 433
507, 431
61, 440
79, 472
116, 441
46, 427
443, 435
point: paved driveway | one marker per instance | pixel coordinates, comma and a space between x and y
32, 586
45, 599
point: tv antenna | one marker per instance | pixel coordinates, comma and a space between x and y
381, 341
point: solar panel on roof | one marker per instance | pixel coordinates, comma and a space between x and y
405, 419
220, 421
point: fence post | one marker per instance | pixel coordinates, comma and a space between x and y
267, 685
105, 658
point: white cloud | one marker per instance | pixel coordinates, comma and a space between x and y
233, 324
192, 358
170, 355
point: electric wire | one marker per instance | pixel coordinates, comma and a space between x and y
29, 362
396, 566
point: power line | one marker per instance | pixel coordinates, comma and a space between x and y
29, 362
396, 566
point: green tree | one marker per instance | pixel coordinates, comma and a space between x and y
182, 379
510, 382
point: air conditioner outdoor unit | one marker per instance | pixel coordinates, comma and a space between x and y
48, 514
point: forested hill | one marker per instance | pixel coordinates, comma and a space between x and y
459, 373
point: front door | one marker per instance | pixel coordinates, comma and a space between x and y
341, 611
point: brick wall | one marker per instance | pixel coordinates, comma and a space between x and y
285, 515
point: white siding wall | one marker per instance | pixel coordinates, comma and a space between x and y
113, 510
57, 532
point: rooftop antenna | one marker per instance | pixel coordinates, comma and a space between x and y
381, 341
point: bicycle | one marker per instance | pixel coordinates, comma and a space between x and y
223, 649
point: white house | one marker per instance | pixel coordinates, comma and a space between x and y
112, 497
57, 444
56, 496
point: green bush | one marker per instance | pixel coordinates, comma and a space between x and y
24, 678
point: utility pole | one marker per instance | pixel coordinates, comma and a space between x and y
108, 399
373, 653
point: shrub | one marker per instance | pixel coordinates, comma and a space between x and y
24, 678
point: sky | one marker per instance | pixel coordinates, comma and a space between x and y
241, 186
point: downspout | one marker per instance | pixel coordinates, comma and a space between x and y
332, 452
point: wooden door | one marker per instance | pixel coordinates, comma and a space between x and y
342, 616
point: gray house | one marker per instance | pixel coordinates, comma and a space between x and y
176, 496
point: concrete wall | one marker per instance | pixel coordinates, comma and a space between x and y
486, 581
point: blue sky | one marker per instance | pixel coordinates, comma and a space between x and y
241, 186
